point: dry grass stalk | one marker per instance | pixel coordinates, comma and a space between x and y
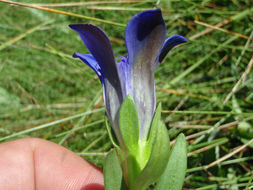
241, 80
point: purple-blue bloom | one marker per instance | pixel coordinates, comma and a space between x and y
147, 46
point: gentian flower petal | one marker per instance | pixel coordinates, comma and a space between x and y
145, 34
169, 43
91, 61
125, 75
100, 47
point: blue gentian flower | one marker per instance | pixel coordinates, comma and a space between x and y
147, 46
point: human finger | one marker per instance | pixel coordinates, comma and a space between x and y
33, 163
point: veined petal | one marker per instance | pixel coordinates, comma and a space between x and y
125, 75
91, 61
100, 47
169, 43
145, 34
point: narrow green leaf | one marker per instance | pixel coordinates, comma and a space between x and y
110, 133
158, 158
128, 123
112, 172
174, 174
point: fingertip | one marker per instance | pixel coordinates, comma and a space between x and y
63, 168
51, 166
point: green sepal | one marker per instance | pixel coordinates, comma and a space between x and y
154, 125
113, 179
129, 124
110, 133
158, 158
146, 146
129, 130
174, 174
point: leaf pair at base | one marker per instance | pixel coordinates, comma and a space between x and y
171, 179
143, 162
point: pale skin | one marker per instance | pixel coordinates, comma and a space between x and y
35, 164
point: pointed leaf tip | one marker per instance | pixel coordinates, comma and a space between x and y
155, 123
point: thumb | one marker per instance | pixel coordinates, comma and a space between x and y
39, 164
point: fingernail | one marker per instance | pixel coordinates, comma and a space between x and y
93, 186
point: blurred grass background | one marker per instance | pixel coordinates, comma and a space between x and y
205, 86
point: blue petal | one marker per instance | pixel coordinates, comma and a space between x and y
169, 43
91, 61
145, 35
125, 75
100, 47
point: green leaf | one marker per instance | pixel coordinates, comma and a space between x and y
158, 158
112, 172
128, 123
174, 174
